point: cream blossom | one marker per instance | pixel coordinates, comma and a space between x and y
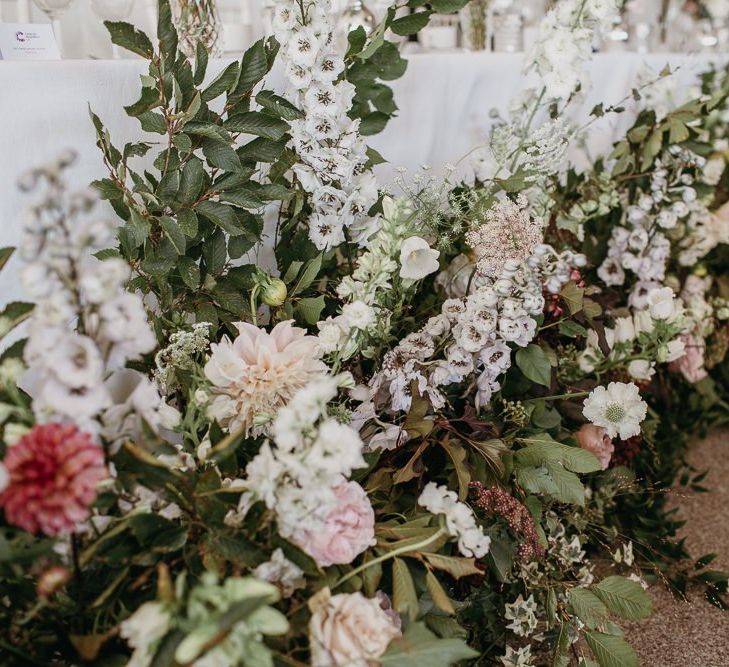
349, 630
259, 372
417, 259
618, 408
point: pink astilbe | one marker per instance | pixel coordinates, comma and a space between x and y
53, 471
508, 233
495, 500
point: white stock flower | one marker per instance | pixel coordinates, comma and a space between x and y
143, 630
417, 259
618, 408
662, 303
358, 314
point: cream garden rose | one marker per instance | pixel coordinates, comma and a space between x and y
349, 630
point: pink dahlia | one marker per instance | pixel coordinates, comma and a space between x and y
53, 472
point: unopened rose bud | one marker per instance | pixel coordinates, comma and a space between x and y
274, 294
52, 580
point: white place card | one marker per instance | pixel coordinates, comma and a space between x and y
28, 41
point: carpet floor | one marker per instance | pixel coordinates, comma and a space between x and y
693, 633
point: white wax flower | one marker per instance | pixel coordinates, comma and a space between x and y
618, 408
417, 259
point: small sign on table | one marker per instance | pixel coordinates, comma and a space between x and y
28, 41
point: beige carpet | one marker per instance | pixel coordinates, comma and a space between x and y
693, 633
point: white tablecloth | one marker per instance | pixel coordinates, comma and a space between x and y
444, 102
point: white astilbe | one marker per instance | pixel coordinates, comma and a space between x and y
460, 520
472, 334
68, 368
332, 154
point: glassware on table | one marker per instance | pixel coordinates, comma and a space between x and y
197, 22
474, 25
441, 33
54, 9
113, 10
508, 30
355, 15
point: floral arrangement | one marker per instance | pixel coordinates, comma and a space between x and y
278, 415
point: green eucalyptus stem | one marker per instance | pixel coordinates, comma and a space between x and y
392, 554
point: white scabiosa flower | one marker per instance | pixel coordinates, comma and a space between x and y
618, 408
417, 259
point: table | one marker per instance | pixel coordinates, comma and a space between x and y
444, 102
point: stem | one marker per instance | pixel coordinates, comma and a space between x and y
392, 554
559, 397
254, 316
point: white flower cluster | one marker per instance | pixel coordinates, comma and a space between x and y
520, 657
672, 207
302, 477
180, 353
474, 332
394, 244
68, 369
565, 40
522, 614
460, 520
331, 151
651, 334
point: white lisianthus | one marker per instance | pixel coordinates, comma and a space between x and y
642, 321
417, 259
661, 303
618, 408
641, 369
624, 330
143, 631
673, 350
331, 334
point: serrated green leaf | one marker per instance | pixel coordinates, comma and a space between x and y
611, 651
257, 123
187, 220
310, 309
456, 566
191, 181
130, 38
410, 23
5, 254
174, 234
220, 155
278, 105
438, 594
189, 272
404, 597
222, 83
221, 215
624, 598
587, 607
569, 487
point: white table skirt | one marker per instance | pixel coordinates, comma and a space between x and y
444, 102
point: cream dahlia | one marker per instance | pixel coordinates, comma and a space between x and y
258, 372
53, 473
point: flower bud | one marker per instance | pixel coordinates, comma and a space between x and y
274, 294
52, 580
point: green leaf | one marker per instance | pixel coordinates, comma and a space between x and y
534, 364
410, 24
5, 254
152, 122
278, 105
257, 123
201, 63
310, 309
611, 651
572, 329
587, 607
624, 598
13, 314
130, 38
536, 480
543, 447
373, 123
187, 220
220, 155
308, 275
404, 597
174, 234
418, 647
166, 33
438, 594
191, 181
189, 272
447, 6
456, 566
222, 83
221, 215
253, 67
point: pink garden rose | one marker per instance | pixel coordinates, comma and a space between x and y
596, 440
53, 472
691, 364
347, 530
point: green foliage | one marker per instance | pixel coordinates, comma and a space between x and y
201, 205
